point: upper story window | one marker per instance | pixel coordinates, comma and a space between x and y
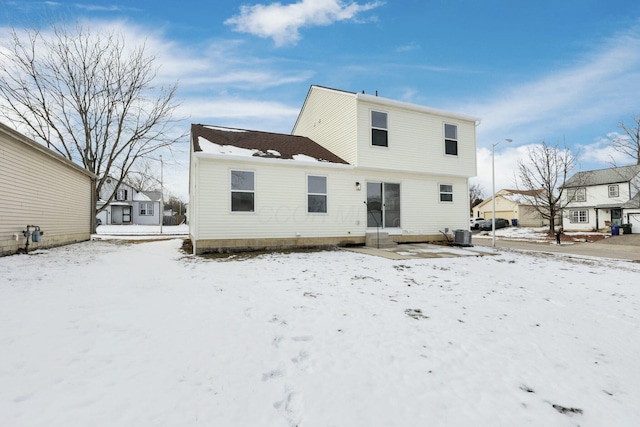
122, 194
577, 195
242, 191
614, 190
379, 130
146, 208
316, 194
446, 193
450, 139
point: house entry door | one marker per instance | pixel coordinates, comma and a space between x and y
616, 216
126, 214
383, 205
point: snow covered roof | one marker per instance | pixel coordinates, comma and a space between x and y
521, 197
240, 142
146, 196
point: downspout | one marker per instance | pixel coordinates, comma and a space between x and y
92, 207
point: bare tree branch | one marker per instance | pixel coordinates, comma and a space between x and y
629, 143
541, 177
88, 96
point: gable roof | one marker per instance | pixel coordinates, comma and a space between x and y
518, 197
521, 197
603, 176
146, 196
387, 102
223, 140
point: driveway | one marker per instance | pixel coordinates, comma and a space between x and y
623, 247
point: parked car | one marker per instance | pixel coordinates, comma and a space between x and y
475, 223
488, 224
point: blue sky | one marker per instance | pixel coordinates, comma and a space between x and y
563, 71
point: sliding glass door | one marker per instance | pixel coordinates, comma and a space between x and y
383, 205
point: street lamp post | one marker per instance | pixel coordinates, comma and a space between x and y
161, 193
493, 190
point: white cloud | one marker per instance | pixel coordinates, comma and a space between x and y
602, 152
235, 108
602, 84
408, 47
282, 23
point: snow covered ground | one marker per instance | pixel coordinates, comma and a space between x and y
117, 333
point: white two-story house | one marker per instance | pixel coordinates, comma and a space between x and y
129, 206
354, 164
600, 198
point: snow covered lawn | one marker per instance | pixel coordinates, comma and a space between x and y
108, 333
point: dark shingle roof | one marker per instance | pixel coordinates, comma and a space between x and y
603, 176
286, 145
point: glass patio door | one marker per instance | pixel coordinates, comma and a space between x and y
383, 204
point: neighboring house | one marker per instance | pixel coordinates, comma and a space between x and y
129, 206
600, 198
40, 187
355, 164
510, 205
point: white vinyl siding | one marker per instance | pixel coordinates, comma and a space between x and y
328, 117
284, 213
416, 143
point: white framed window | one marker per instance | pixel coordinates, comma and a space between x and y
446, 192
379, 129
122, 194
146, 209
614, 190
450, 139
242, 191
577, 194
316, 194
578, 216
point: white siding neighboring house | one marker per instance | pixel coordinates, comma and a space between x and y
129, 206
601, 198
39, 187
354, 164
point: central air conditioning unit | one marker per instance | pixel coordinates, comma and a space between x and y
462, 238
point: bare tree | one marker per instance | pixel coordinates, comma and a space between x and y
628, 143
88, 96
542, 175
476, 195
143, 178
